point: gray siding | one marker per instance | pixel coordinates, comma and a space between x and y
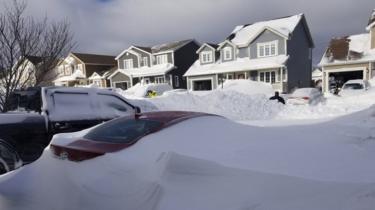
299, 64
243, 52
143, 54
128, 56
207, 49
120, 77
222, 52
267, 36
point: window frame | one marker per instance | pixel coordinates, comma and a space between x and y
225, 50
159, 80
161, 59
176, 81
270, 76
127, 63
208, 55
265, 49
145, 61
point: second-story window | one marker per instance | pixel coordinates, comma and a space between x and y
145, 61
80, 67
128, 64
267, 49
160, 59
227, 53
207, 57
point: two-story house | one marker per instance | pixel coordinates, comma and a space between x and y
165, 63
85, 69
277, 51
349, 57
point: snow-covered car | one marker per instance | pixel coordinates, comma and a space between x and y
352, 87
304, 96
117, 134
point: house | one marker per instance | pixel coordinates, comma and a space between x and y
277, 51
84, 69
317, 77
28, 70
165, 63
349, 57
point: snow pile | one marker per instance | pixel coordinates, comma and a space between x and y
247, 87
228, 103
140, 90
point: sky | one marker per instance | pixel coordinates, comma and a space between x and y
110, 26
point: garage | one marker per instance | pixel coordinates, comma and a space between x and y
339, 78
201, 85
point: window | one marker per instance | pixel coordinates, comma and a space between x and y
207, 57
160, 59
176, 81
68, 69
230, 76
159, 80
145, 61
80, 67
123, 130
128, 64
227, 53
268, 77
267, 49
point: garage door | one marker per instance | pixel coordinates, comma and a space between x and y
202, 85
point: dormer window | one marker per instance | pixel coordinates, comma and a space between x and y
267, 49
161, 59
128, 64
207, 56
228, 55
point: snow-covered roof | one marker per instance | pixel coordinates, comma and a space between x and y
317, 73
243, 35
240, 64
371, 21
154, 70
350, 49
76, 75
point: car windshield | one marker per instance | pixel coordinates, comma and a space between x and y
122, 130
353, 86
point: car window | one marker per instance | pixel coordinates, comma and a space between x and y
123, 130
113, 106
353, 86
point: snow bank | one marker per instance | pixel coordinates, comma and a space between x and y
247, 87
140, 90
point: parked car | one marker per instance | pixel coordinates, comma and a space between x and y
354, 86
303, 96
36, 115
117, 134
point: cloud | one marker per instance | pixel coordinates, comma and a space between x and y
109, 26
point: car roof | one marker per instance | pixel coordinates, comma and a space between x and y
355, 81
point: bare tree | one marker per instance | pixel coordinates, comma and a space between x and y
22, 36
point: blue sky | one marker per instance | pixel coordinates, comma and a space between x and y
110, 26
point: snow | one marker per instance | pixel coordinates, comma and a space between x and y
217, 164
76, 75
245, 34
140, 89
145, 71
359, 43
317, 157
240, 64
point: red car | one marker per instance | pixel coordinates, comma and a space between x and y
119, 134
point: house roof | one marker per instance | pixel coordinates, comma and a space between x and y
171, 46
96, 59
240, 64
349, 49
210, 45
243, 35
34, 59
155, 70
371, 21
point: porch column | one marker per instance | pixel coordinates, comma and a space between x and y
245, 75
131, 81
282, 79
